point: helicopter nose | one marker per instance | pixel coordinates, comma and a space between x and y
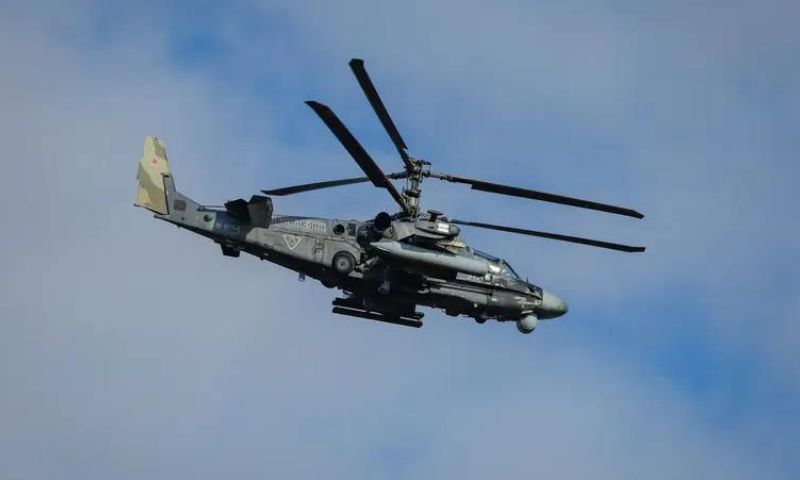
552, 306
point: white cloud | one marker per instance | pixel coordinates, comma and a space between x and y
237, 371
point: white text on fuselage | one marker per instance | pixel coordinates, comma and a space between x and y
314, 226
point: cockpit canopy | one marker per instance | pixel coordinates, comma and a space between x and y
505, 268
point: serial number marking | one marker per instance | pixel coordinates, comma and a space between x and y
306, 225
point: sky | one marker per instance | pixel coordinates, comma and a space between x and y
131, 349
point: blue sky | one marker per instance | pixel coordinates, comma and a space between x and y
681, 362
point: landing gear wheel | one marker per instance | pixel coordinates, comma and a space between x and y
344, 263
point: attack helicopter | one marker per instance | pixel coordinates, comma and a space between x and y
386, 266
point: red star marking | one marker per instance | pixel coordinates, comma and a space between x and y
154, 161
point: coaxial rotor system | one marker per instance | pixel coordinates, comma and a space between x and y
416, 170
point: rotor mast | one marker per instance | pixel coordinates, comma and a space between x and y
413, 190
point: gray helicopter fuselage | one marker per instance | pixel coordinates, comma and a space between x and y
403, 264
385, 266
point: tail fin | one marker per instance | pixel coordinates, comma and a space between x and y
153, 167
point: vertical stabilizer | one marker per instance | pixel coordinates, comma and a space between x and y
153, 167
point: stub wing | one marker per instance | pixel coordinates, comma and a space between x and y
361, 308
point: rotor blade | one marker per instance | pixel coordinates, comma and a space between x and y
357, 65
537, 195
307, 187
553, 236
362, 158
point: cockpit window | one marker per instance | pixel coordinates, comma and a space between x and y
511, 270
493, 259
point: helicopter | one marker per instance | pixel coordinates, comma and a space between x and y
385, 266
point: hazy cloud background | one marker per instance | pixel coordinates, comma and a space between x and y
679, 363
